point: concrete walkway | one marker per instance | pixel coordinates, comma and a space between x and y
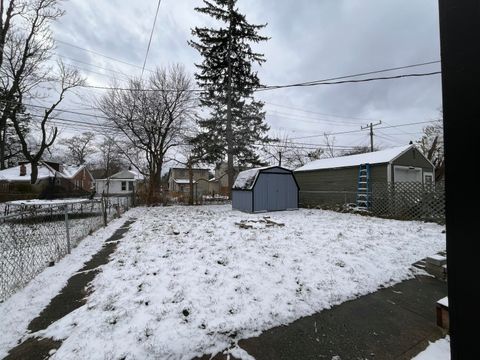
392, 323
71, 297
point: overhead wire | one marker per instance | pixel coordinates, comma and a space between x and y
151, 36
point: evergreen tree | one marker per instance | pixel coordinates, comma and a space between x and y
236, 121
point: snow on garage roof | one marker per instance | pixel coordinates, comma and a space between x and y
376, 157
246, 178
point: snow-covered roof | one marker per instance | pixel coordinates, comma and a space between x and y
13, 173
246, 178
42, 202
69, 171
183, 181
124, 175
376, 157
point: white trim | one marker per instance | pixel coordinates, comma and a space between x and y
418, 151
389, 172
428, 173
402, 153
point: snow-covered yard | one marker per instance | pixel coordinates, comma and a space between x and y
187, 280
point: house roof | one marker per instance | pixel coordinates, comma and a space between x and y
125, 175
376, 157
246, 179
70, 171
44, 171
13, 173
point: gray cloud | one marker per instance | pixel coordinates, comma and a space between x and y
309, 40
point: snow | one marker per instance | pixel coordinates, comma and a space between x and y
185, 281
18, 310
246, 178
443, 301
69, 171
183, 181
376, 157
13, 173
48, 202
438, 257
439, 350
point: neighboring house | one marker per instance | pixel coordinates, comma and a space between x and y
179, 181
122, 183
270, 188
219, 184
63, 178
339, 180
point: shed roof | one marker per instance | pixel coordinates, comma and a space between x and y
376, 157
246, 179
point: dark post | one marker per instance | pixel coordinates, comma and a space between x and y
370, 126
460, 55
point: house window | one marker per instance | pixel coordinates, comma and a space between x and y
428, 178
130, 186
124, 185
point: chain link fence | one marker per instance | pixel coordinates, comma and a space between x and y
36, 235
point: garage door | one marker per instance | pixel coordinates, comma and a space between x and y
407, 174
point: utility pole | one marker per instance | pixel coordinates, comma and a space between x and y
371, 125
279, 158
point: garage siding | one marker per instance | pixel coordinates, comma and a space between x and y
334, 186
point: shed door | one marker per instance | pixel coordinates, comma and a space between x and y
277, 191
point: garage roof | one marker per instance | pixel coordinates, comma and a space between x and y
376, 157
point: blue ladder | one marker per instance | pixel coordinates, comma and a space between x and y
363, 188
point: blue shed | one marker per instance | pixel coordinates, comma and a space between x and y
271, 188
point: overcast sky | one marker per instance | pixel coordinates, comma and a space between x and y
310, 40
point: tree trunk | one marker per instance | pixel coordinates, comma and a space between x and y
230, 171
34, 173
190, 182
3, 132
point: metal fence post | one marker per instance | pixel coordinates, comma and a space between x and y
104, 211
67, 230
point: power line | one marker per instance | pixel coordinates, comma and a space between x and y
317, 113
347, 81
151, 35
355, 131
100, 54
364, 73
93, 65
328, 81
314, 120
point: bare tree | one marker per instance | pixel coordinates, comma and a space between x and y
80, 147
361, 149
282, 151
151, 117
111, 156
69, 79
329, 145
26, 46
431, 145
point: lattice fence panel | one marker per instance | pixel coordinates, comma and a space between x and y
409, 201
